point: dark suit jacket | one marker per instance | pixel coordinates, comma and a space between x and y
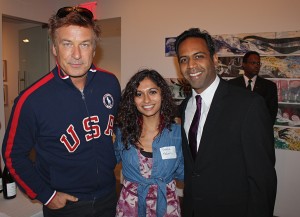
266, 88
233, 174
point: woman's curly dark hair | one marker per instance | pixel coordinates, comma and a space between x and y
129, 119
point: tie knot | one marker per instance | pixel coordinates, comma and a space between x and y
249, 85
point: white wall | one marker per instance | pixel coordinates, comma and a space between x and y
145, 24
108, 53
10, 36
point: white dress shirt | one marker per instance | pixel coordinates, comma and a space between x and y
252, 79
207, 96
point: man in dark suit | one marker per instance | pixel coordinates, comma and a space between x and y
230, 172
250, 80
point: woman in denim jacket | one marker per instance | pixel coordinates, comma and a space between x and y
148, 143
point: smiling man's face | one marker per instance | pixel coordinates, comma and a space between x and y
195, 63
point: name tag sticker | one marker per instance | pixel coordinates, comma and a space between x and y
168, 152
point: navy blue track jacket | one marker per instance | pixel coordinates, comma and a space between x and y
71, 132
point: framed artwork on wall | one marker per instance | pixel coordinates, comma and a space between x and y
4, 63
5, 93
280, 58
170, 46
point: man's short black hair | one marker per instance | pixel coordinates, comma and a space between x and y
246, 56
196, 33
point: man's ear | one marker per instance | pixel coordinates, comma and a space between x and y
54, 50
215, 59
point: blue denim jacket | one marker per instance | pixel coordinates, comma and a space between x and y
163, 170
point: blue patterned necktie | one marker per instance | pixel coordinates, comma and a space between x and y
194, 128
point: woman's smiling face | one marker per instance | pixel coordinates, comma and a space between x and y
148, 98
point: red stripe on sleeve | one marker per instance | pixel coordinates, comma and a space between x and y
13, 129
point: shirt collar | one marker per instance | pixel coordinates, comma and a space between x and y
247, 79
208, 94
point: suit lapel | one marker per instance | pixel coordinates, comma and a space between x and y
258, 86
241, 81
209, 133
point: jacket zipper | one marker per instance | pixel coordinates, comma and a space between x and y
87, 111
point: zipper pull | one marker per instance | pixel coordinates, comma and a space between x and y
82, 94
